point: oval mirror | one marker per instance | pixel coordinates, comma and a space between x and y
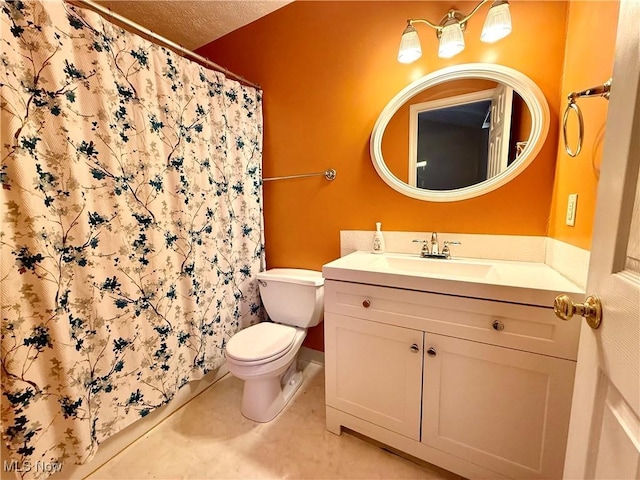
459, 132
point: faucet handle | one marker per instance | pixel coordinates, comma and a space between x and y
445, 250
425, 247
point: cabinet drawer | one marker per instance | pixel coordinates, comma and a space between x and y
523, 327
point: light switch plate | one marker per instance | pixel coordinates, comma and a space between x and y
572, 205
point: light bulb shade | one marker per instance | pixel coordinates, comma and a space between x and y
451, 40
498, 23
410, 49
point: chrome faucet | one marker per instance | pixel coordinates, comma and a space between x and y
435, 246
431, 249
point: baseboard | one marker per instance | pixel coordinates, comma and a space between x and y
310, 355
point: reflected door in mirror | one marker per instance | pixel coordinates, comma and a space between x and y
452, 146
459, 134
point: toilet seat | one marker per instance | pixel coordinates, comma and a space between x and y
261, 343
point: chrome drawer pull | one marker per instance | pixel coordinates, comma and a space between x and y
498, 325
414, 348
432, 352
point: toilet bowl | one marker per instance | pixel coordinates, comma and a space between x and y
265, 355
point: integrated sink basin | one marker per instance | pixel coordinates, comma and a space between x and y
453, 268
529, 283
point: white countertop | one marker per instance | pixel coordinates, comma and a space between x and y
528, 283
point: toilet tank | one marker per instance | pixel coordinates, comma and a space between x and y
292, 296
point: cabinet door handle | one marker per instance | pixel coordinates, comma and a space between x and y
431, 352
366, 303
497, 325
414, 348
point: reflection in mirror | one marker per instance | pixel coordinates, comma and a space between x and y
456, 134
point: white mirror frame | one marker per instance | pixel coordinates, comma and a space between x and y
523, 85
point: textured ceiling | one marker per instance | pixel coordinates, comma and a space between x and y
189, 23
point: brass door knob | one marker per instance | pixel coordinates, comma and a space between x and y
591, 309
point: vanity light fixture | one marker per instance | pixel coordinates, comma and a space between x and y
450, 31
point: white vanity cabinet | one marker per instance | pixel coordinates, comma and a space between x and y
481, 388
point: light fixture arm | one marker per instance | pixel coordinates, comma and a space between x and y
422, 20
455, 14
473, 12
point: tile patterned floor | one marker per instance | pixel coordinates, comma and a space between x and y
209, 439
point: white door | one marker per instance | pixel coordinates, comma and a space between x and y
500, 130
604, 433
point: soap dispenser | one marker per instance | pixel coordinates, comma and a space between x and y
378, 239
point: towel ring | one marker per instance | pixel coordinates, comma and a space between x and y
573, 106
603, 91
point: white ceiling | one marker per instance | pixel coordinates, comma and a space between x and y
190, 23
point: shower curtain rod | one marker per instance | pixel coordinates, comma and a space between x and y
329, 174
105, 11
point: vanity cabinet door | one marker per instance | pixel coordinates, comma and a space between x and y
503, 409
374, 372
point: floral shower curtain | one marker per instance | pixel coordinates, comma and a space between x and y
131, 227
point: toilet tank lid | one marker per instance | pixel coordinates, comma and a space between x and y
292, 275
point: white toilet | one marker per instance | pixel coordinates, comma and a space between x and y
264, 355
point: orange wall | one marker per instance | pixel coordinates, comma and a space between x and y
588, 62
327, 70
